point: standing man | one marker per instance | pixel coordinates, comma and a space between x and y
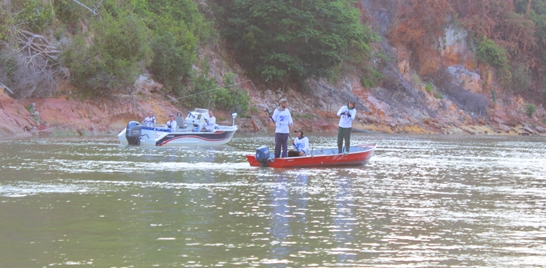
347, 114
150, 120
283, 121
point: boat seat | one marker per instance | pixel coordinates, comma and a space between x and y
180, 121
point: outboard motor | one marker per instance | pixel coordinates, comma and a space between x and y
262, 155
133, 133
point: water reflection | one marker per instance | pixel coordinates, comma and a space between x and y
344, 221
280, 224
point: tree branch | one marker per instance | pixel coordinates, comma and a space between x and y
92, 11
4, 86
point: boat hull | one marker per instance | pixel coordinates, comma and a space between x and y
165, 138
359, 155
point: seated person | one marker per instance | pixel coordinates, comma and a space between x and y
171, 124
209, 123
150, 120
301, 145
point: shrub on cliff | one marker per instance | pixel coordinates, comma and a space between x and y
530, 109
488, 51
205, 92
114, 58
231, 97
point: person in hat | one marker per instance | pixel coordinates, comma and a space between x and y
283, 121
301, 145
150, 120
171, 124
346, 116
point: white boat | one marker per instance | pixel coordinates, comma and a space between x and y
189, 132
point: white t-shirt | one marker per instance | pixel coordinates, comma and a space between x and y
210, 124
301, 145
282, 120
149, 121
346, 120
172, 125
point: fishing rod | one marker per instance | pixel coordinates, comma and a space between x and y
269, 113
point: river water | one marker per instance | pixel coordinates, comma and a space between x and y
423, 201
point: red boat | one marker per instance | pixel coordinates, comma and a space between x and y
358, 155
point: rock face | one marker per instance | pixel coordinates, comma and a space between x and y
145, 85
68, 116
15, 120
456, 47
468, 80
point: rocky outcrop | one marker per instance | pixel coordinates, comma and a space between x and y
15, 119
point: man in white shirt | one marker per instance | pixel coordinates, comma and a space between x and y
347, 114
150, 120
209, 126
283, 121
171, 124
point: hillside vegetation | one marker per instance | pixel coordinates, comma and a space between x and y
100, 47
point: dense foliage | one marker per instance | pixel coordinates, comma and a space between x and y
178, 26
168, 48
171, 63
290, 41
112, 60
33, 14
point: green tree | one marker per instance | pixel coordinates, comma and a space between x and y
114, 58
290, 41
177, 27
171, 64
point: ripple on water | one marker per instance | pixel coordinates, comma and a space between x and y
425, 201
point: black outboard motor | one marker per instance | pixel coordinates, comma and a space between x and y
133, 133
262, 155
